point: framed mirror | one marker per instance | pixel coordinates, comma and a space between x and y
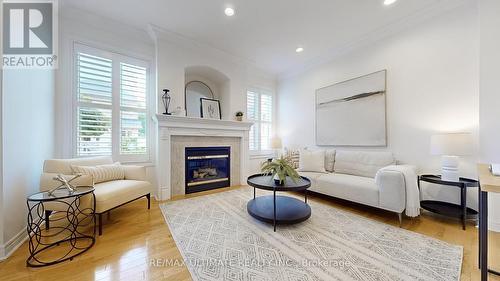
194, 92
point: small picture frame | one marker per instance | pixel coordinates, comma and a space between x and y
210, 108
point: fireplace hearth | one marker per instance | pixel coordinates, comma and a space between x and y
207, 168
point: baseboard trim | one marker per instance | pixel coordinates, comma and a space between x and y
494, 225
7, 249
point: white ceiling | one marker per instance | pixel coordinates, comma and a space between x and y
264, 32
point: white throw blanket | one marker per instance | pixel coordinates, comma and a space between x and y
412, 191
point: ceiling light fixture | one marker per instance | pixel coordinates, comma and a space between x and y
229, 12
299, 50
389, 2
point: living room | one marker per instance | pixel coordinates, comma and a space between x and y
250, 140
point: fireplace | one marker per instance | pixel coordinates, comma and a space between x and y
207, 168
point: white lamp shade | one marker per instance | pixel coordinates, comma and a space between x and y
276, 143
455, 144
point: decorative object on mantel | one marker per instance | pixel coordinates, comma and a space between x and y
210, 108
179, 111
280, 169
363, 100
65, 184
239, 115
166, 101
450, 146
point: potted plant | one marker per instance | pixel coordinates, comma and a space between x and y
280, 169
239, 115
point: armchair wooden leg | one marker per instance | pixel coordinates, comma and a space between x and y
47, 218
400, 216
109, 215
100, 224
149, 200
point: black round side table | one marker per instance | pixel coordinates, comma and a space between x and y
60, 225
278, 209
449, 209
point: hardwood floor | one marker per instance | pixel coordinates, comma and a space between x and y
136, 240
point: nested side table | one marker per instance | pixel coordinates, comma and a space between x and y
60, 226
449, 209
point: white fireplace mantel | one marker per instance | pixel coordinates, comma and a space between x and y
169, 125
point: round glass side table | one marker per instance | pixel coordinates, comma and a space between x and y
60, 226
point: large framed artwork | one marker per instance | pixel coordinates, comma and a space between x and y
353, 112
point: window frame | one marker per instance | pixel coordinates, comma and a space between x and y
116, 108
262, 91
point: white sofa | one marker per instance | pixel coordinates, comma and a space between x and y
357, 176
109, 194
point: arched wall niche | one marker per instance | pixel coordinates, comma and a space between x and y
219, 83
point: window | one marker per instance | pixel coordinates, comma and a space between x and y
260, 111
112, 105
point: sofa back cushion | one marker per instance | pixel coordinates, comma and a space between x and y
362, 163
101, 173
63, 166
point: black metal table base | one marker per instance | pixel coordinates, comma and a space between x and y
278, 210
63, 236
483, 236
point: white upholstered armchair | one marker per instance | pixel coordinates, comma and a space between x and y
108, 194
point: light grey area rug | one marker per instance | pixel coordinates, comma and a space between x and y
219, 240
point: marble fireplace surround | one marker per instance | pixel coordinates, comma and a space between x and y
177, 132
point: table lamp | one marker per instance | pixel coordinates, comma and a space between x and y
450, 146
276, 145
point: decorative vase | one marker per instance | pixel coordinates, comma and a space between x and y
277, 180
239, 118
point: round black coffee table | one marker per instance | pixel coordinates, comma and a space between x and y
278, 209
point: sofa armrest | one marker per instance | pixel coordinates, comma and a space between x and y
47, 181
392, 190
135, 172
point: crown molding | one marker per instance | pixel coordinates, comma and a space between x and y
377, 35
159, 34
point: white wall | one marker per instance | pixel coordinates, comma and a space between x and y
27, 140
490, 95
175, 54
432, 86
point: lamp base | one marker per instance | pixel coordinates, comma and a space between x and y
449, 168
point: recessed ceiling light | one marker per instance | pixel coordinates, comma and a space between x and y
389, 2
299, 50
229, 12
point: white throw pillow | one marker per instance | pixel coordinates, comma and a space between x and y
101, 173
312, 161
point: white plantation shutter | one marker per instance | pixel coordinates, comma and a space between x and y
112, 105
94, 79
260, 111
94, 131
94, 90
133, 123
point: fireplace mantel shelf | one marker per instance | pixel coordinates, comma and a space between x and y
201, 123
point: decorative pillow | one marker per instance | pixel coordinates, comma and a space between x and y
294, 156
312, 161
329, 160
101, 173
362, 163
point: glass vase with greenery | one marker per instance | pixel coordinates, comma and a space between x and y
280, 169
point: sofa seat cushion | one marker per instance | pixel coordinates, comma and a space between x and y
353, 188
114, 193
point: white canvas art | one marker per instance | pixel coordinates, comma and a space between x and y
352, 113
